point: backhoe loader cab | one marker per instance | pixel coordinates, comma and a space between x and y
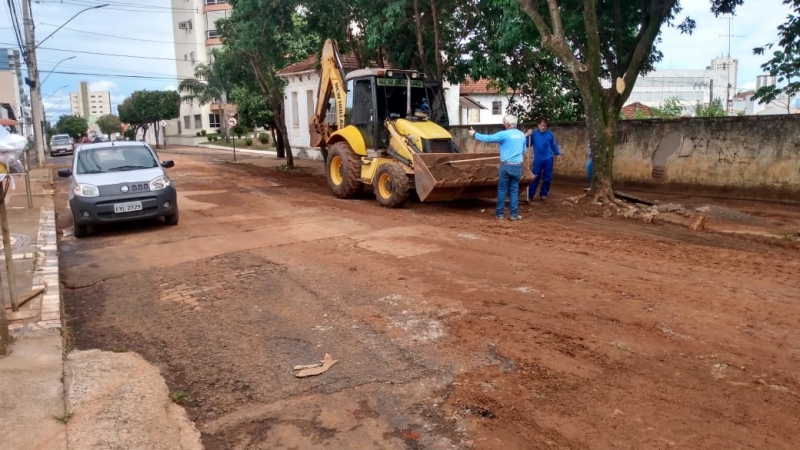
388, 129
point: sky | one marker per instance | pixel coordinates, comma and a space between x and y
144, 29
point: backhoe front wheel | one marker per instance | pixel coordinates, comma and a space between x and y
343, 170
391, 185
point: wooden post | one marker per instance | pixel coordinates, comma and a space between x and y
12, 279
5, 337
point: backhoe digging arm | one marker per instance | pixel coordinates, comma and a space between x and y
331, 81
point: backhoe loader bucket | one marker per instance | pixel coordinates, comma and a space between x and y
453, 176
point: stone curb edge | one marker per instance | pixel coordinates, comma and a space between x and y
45, 271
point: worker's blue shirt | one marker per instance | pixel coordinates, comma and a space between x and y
544, 144
512, 144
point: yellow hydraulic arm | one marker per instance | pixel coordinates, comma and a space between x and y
331, 81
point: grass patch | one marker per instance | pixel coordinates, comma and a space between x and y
179, 397
64, 418
240, 144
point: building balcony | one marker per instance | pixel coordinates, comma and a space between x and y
212, 38
216, 5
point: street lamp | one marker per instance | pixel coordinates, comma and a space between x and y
68, 21
54, 68
56, 92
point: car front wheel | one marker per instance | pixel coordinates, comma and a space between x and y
172, 219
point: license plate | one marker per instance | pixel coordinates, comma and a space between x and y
127, 207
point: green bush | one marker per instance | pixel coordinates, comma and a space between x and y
248, 141
238, 130
263, 138
128, 133
216, 138
210, 138
199, 134
202, 132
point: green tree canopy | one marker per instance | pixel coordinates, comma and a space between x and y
109, 124
72, 125
785, 61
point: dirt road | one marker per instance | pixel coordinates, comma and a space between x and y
451, 330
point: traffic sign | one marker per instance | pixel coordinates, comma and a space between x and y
163, 123
232, 121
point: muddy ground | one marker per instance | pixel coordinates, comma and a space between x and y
451, 330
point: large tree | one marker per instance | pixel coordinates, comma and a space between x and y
109, 124
277, 38
785, 61
74, 126
597, 40
144, 109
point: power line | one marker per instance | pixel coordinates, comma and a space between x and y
121, 37
128, 7
142, 77
107, 54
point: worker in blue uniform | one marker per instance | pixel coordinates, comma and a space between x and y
512, 148
545, 150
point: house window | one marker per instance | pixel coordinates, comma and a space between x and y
295, 112
213, 121
497, 108
474, 115
187, 122
198, 121
310, 104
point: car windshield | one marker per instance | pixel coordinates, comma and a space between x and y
59, 141
114, 159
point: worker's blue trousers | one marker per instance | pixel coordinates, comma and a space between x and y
542, 170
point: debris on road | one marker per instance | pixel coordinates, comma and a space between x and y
313, 369
698, 223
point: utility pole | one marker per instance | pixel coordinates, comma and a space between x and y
711, 91
729, 98
33, 82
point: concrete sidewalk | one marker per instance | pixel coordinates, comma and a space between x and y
32, 408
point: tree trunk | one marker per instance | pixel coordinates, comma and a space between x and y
601, 127
278, 145
420, 47
5, 338
436, 42
283, 135
155, 132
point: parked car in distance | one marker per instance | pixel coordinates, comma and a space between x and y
119, 182
99, 139
61, 144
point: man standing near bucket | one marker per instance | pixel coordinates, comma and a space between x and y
512, 147
544, 148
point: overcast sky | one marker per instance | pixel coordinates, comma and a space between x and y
144, 28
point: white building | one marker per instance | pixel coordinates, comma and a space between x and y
731, 67
765, 80
689, 86
12, 91
195, 34
89, 104
475, 103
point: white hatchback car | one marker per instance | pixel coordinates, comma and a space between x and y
119, 182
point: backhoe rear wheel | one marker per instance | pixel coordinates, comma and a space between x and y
391, 185
343, 168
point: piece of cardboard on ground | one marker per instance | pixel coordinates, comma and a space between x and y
327, 363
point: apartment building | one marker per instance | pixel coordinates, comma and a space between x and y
89, 104
12, 91
195, 34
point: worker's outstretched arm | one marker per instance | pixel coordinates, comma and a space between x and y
554, 146
496, 137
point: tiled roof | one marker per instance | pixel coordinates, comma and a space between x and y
629, 111
479, 87
310, 65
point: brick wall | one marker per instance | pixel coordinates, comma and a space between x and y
751, 156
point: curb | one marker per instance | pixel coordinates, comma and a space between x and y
45, 271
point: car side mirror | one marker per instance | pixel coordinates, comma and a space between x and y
64, 173
167, 164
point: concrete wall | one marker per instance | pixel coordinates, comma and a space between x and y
752, 156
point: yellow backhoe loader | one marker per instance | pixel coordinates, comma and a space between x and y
382, 132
